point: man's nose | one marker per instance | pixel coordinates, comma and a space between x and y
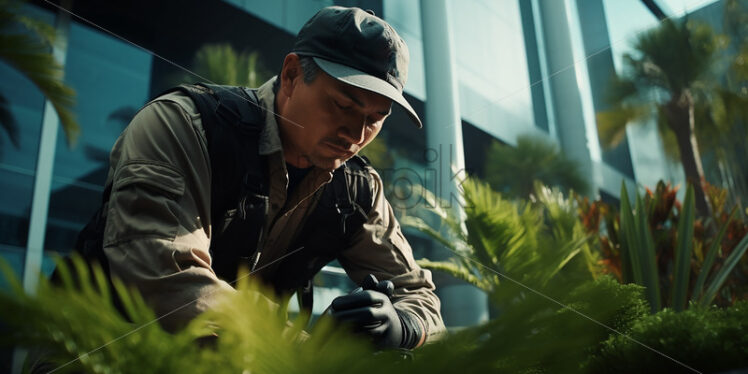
354, 132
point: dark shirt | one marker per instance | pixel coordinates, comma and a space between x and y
295, 176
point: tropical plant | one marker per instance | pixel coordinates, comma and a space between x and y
723, 130
378, 154
222, 64
706, 340
666, 78
77, 324
514, 170
79, 330
662, 245
25, 45
736, 285
532, 241
557, 328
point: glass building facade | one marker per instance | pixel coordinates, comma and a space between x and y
524, 67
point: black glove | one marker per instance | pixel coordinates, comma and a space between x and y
370, 311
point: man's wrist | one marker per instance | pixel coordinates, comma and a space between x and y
413, 332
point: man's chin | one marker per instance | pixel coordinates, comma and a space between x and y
330, 164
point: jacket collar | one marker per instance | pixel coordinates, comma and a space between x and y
270, 141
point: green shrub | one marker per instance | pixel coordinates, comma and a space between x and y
534, 241
667, 249
533, 332
707, 340
82, 328
564, 327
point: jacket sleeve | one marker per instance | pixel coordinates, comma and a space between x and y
158, 216
381, 249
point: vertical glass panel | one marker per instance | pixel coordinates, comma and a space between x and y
405, 17
15, 257
111, 79
678, 8
492, 66
600, 69
533, 65
625, 20
23, 104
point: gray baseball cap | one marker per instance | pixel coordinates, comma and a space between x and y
358, 48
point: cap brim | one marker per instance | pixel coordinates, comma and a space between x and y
360, 79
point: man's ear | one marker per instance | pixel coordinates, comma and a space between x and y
290, 74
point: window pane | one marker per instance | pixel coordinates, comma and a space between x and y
24, 104
111, 79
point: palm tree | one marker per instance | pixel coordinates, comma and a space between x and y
222, 64
25, 45
666, 78
514, 170
532, 241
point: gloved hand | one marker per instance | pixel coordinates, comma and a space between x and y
370, 311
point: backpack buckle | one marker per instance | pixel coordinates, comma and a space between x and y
345, 211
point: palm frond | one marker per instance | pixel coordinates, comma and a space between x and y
666, 49
514, 170
532, 242
41, 29
29, 53
250, 333
611, 124
32, 59
223, 64
421, 225
458, 271
669, 141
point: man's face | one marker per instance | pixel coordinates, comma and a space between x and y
326, 122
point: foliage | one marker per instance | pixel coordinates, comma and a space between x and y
81, 324
533, 333
25, 46
514, 170
532, 241
736, 286
222, 64
667, 78
709, 340
657, 74
665, 233
723, 130
378, 154
68, 323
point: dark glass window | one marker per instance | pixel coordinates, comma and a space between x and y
24, 104
112, 81
600, 66
533, 65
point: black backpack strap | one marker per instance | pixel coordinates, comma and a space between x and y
233, 119
340, 213
344, 205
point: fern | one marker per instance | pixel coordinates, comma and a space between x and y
81, 331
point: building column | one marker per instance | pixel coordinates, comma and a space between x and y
44, 168
570, 90
462, 304
43, 180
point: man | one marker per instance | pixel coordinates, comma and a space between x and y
174, 164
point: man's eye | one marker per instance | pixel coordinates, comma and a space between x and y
343, 107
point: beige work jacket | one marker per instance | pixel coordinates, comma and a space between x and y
158, 229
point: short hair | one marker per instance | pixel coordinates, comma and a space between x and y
309, 68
